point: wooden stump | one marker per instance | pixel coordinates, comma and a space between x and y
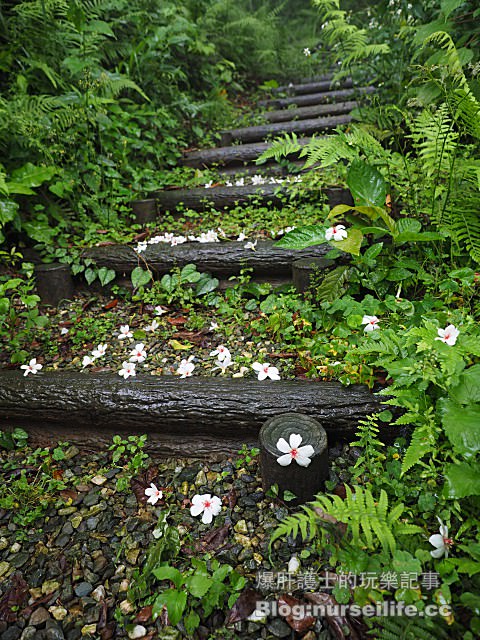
145, 210
304, 482
54, 283
303, 270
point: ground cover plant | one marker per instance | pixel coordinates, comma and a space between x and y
98, 101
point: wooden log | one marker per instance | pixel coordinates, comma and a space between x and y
168, 407
315, 111
228, 155
219, 198
145, 210
300, 127
304, 482
305, 269
220, 259
269, 169
311, 87
325, 97
54, 283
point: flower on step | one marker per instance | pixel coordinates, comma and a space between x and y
207, 504
307, 52
440, 541
141, 247
127, 370
125, 332
31, 367
152, 327
100, 350
371, 323
265, 371
257, 179
251, 245
337, 233
240, 182
223, 364
293, 451
241, 237
154, 494
138, 354
221, 352
209, 185
448, 335
185, 368
87, 360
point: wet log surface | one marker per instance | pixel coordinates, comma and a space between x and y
219, 259
89, 407
311, 87
323, 97
301, 127
200, 199
315, 111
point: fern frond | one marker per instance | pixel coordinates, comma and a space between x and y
281, 148
407, 628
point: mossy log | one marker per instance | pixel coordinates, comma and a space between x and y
222, 197
324, 97
315, 111
300, 127
311, 87
220, 259
89, 408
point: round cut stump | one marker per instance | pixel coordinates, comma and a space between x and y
304, 482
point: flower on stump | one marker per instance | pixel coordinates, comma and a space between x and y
293, 451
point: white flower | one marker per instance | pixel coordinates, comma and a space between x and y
209, 184
100, 350
258, 179
293, 451
208, 505
153, 494
371, 323
213, 326
138, 354
151, 327
241, 373
240, 182
251, 245
448, 335
307, 52
87, 360
127, 370
159, 311
241, 237
288, 229
265, 371
338, 232
63, 331
141, 246
228, 184
440, 541
185, 368
293, 564
221, 352
31, 367
125, 332
223, 364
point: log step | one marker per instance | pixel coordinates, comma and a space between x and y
221, 259
268, 169
315, 111
237, 154
311, 87
200, 199
324, 97
301, 127
194, 416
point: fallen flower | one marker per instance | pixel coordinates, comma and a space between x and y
371, 323
138, 354
159, 311
251, 245
241, 237
265, 371
185, 368
293, 451
87, 360
127, 370
338, 232
100, 350
152, 327
221, 352
293, 564
307, 52
125, 332
63, 331
154, 494
213, 326
440, 541
208, 505
241, 373
448, 335
223, 364
31, 367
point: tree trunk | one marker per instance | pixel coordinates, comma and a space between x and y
91, 407
311, 87
316, 98
316, 111
54, 283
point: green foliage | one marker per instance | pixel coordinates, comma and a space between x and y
130, 451
406, 628
183, 286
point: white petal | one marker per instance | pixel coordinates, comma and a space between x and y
302, 460
256, 366
307, 450
285, 460
262, 375
283, 446
295, 440
196, 509
438, 553
436, 540
216, 505
207, 516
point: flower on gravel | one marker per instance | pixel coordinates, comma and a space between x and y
87, 360
293, 564
159, 311
151, 327
307, 52
185, 368
448, 335
154, 494
440, 541
223, 364
127, 370
221, 352
371, 323
208, 505
213, 326
251, 245
31, 367
293, 451
100, 351
265, 371
338, 232
138, 354
63, 331
125, 332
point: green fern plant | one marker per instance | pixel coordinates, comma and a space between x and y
407, 628
369, 464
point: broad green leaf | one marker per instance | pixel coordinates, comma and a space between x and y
366, 184
175, 601
351, 244
372, 252
99, 26
462, 480
462, 426
106, 275
468, 389
8, 211
90, 275
339, 211
20, 189
205, 285
303, 237
408, 224
32, 176
175, 344
448, 6
140, 277
40, 231
169, 573
198, 585
191, 622
426, 236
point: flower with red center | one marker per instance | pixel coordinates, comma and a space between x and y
31, 367
207, 504
337, 233
448, 335
221, 352
293, 451
371, 323
154, 494
265, 371
138, 354
440, 541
